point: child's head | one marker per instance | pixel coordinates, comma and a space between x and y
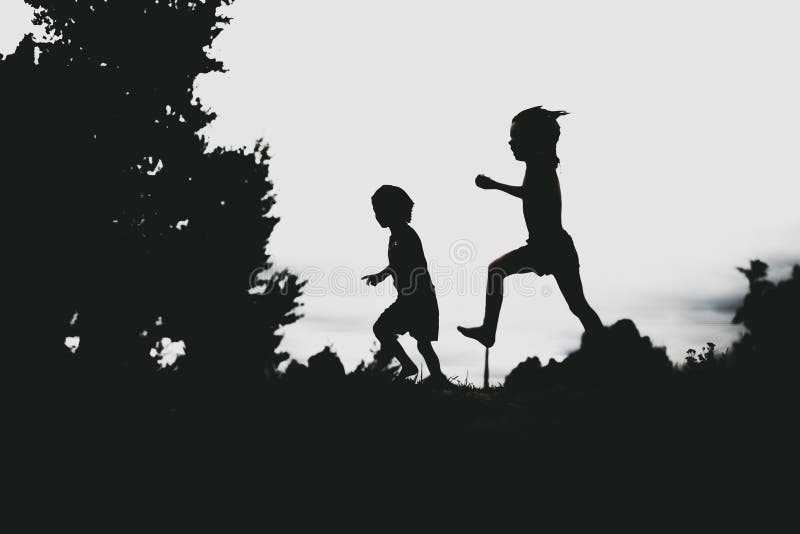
534, 134
392, 206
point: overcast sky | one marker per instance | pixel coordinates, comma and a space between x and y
679, 156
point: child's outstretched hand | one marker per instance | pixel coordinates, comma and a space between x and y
484, 182
375, 279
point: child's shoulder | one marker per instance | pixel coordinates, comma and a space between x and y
407, 232
406, 235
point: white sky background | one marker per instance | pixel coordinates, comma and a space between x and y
679, 157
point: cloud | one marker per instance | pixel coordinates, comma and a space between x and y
723, 304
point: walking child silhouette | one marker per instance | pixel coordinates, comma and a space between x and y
416, 310
549, 249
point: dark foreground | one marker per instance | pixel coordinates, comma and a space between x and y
627, 417
614, 423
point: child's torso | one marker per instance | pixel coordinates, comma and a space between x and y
541, 202
408, 264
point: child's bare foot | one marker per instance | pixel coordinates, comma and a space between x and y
407, 371
479, 333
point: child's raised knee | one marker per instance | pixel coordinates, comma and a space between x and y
496, 270
382, 330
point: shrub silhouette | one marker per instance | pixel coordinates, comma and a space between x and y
769, 313
323, 368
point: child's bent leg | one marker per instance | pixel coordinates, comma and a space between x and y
431, 359
514, 262
388, 338
569, 282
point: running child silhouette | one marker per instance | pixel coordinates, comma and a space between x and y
549, 249
416, 310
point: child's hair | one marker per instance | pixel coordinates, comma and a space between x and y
393, 202
539, 127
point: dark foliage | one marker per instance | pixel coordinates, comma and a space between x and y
324, 369
770, 314
129, 227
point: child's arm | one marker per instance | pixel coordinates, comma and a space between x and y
377, 278
484, 182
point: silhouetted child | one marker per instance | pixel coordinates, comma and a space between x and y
549, 249
415, 311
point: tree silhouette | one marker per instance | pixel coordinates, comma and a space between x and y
769, 313
130, 220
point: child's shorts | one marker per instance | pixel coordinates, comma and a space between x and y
416, 314
548, 255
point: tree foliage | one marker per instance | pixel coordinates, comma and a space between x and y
130, 219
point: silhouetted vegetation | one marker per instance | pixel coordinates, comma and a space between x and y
131, 228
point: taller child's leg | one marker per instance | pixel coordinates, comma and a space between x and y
516, 261
569, 282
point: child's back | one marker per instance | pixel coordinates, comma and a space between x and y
408, 264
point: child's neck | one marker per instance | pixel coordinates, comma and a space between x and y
539, 166
540, 161
399, 226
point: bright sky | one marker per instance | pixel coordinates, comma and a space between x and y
678, 158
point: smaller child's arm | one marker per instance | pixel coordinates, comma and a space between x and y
377, 278
484, 182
